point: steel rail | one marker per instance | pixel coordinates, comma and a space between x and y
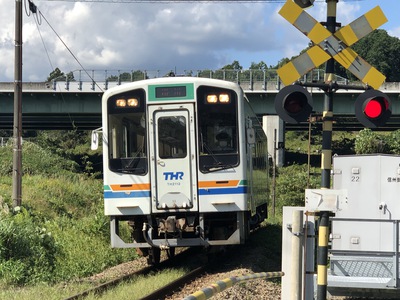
109, 284
176, 284
101, 288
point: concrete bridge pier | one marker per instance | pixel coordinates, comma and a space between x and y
274, 128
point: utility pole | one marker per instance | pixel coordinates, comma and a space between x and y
17, 129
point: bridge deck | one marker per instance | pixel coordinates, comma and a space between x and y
64, 105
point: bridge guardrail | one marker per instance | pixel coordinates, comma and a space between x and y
101, 80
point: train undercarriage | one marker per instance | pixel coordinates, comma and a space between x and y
152, 233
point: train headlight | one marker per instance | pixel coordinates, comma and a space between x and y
132, 102
120, 102
224, 98
218, 98
212, 99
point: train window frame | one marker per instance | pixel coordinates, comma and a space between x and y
127, 134
172, 145
212, 158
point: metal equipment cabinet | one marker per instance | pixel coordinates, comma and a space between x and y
364, 255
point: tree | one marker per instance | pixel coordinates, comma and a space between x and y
58, 75
368, 142
233, 66
205, 73
70, 76
125, 76
378, 48
282, 62
139, 75
394, 142
381, 51
259, 66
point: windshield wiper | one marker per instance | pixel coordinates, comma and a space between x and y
217, 167
134, 170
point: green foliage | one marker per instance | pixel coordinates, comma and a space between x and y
368, 142
128, 77
61, 231
73, 145
63, 142
377, 48
72, 195
58, 75
235, 65
258, 66
291, 183
343, 144
282, 62
381, 51
297, 141
35, 160
394, 142
27, 251
84, 247
33, 251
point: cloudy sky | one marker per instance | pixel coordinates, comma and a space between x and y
160, 36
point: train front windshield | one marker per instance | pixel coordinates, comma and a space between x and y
127, 133
218, 129
217, 120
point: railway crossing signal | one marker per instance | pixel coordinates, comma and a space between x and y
373, 108
328, 45
293, 103
304, 3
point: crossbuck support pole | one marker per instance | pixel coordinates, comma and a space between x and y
326, 160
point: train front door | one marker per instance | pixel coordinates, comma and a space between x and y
173, 157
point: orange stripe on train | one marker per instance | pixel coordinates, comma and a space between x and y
130, 187
218, 183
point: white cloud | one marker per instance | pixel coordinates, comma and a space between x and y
395, 32
154, 36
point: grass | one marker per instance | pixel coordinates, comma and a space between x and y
64, 211
135, 289
42, 291
298, 142
141, 286
60, 233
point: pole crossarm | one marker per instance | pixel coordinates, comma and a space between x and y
333, 86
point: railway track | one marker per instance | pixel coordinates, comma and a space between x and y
101, 288
234, 262
177, 261
176, 284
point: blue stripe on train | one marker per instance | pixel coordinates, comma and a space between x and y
208, 191
133, 194
222, 191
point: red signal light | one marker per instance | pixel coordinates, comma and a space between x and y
373, 108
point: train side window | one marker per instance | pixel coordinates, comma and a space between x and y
127, 134
218, 130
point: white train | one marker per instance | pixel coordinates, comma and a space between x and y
185, 164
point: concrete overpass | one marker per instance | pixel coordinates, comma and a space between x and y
65, 105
